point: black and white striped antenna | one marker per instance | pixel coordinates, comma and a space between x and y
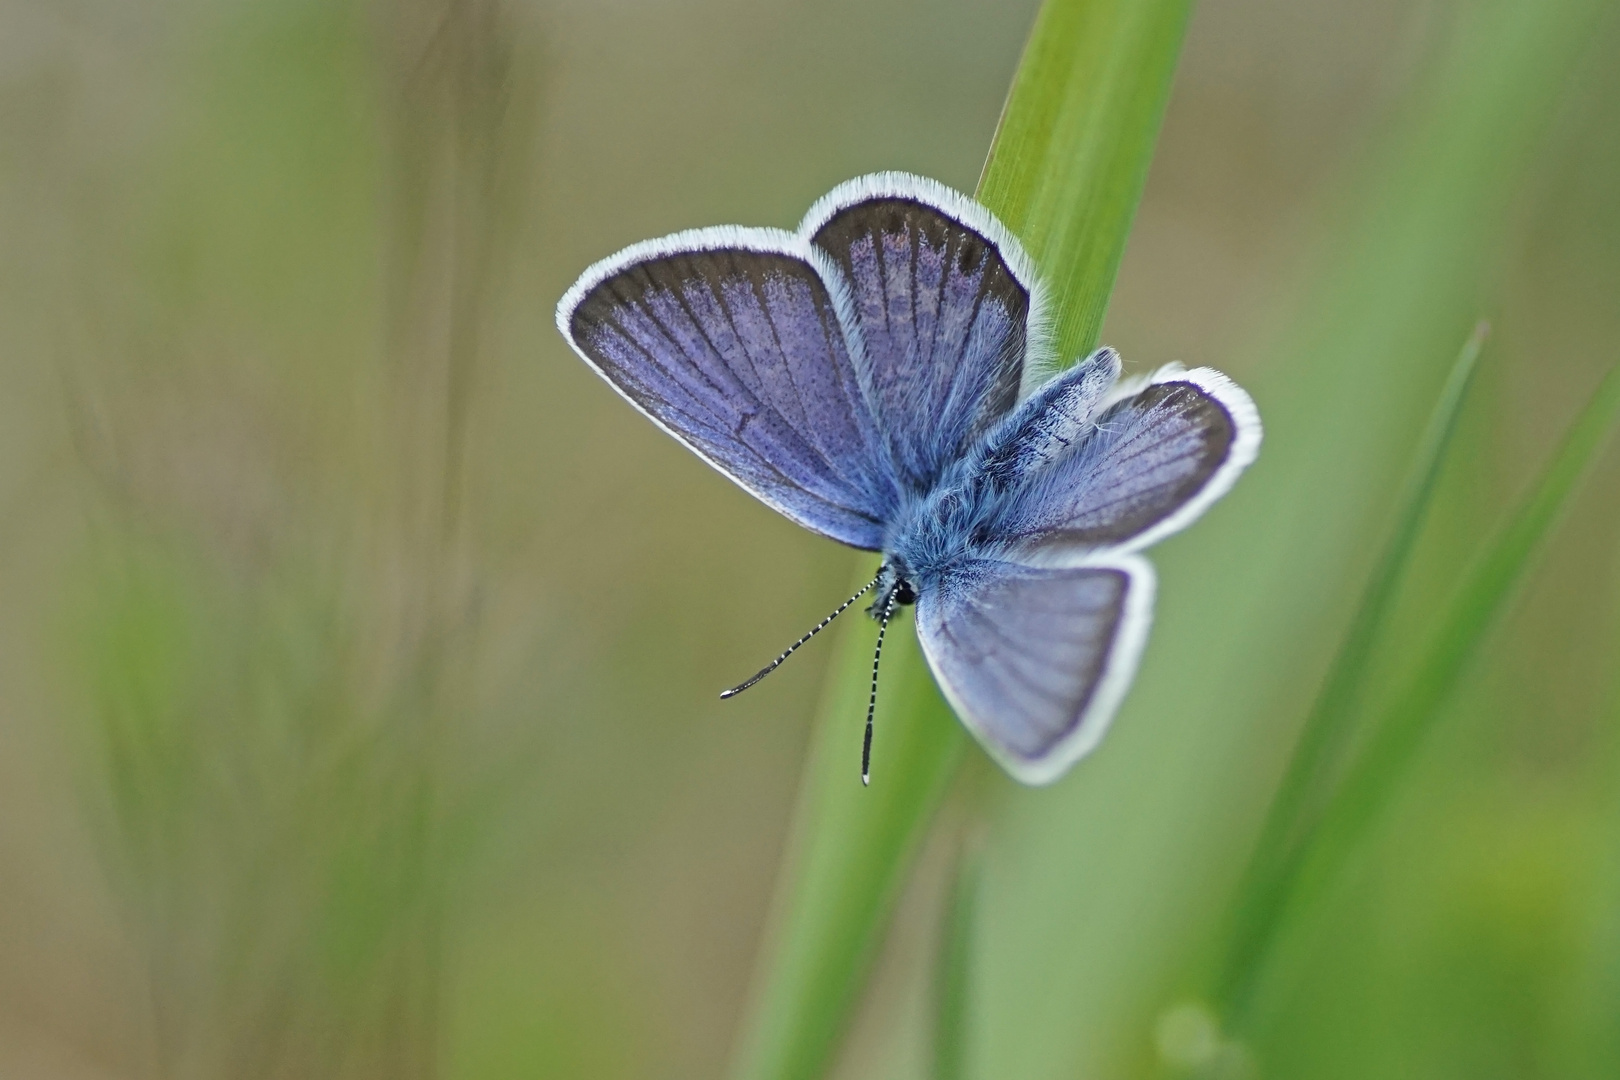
791, 649
871, 701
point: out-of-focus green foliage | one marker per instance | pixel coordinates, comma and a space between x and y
1323, 807
1318, 764
359, 650
953, 973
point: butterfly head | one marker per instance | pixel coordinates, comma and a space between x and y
896, 587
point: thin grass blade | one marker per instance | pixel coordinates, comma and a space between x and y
954, 975
1399, 731
1318, 755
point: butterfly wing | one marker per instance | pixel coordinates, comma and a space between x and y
1148, 465
945, 305
1045, 427
728, 339
1035, 660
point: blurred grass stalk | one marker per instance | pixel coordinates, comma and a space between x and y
271, 688
953, 974
1294, 872
1415, 255
1065, 173
1307, 785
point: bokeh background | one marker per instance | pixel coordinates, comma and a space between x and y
359, 650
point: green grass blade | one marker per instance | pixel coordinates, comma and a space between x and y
1065, 172
1400, 729
1066, 169
954, 975
849, 854
1318, 755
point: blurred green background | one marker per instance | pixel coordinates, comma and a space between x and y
359, 650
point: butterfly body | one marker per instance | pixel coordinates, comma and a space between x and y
966, 515
883, 376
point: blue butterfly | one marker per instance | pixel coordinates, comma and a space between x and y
883, 376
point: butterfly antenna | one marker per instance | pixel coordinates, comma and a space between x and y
791, 649
871, 701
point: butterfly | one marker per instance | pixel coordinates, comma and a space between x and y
884, 376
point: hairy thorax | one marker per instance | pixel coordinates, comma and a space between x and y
938, 535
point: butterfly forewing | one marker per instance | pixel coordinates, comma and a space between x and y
1046, 427
737, 351
941, 299
1150, 464
1035, 661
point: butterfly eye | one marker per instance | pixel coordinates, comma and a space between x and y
904, 593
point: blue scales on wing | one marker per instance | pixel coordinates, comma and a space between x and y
1145, 466
739, 354
1045, 428
1035, 660
944, 321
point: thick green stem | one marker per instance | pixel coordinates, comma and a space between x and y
1065, 173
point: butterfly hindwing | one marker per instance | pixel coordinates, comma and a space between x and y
728, 338
945, 306
1035, 661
